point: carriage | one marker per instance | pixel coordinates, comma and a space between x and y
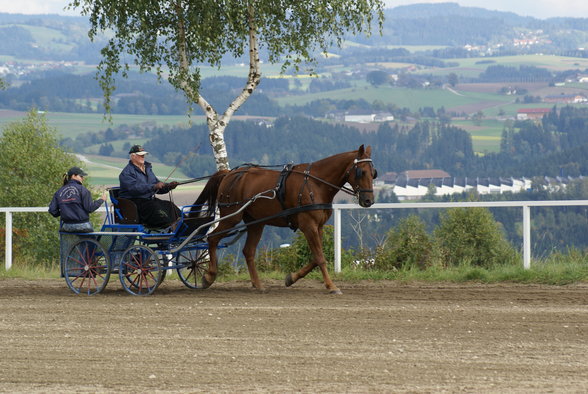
140, 256
246, 198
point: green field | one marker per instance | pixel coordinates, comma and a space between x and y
401, 97
72, 124
105, 170
472, 67
485, 136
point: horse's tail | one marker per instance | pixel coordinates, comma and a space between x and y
210, 193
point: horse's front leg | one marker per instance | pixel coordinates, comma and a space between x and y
314, 238
253, 236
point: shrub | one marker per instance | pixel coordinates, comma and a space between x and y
408, 245
297, 255
472, 236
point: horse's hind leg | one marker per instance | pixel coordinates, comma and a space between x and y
314, 239
210, 276
253, 236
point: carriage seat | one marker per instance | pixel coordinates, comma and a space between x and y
125, 210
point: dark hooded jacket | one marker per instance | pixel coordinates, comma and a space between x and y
74, 203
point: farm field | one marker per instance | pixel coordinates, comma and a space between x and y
104, 170
376, 337
472, 67
72, 124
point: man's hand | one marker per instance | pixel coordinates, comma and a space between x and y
158, 185
172, 185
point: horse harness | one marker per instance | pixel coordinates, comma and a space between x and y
279, 192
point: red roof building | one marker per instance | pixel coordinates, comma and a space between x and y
532, 113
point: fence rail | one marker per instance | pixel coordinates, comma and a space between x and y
8, 227
337, 208
525, 205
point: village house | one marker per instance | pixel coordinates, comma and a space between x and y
532, 113
360, 116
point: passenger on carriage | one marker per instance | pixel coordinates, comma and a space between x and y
73, 202
139, 184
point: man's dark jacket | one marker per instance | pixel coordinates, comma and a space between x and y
136, 184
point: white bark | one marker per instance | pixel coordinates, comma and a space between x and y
217, 124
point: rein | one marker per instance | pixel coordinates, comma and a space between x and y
350, 191
316, 178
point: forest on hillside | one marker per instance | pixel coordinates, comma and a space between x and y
557, 146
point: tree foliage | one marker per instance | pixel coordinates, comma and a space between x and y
472, 236
407, 245
32, 165
176, 37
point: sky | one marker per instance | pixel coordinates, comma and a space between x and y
537, 8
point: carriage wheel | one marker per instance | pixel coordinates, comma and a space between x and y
195, 264
87, 267
140, 270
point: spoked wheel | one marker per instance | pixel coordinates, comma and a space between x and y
140, 270
87, 267
195, 263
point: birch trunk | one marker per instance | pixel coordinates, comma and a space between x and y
218, 123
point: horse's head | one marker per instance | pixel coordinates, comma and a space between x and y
361, 176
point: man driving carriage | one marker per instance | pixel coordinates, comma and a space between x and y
139, 184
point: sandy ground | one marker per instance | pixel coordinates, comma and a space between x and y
376, 337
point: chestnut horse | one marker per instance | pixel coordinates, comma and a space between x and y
300, 196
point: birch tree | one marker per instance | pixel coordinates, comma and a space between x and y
174, 38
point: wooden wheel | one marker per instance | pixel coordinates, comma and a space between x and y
140, 270
195, 263
87, 267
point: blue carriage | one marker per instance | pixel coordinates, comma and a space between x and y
140, 256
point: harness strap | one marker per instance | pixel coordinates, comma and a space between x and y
281, 184
286, 212
305, 184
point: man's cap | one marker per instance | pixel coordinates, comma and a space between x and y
76, 171
138, 150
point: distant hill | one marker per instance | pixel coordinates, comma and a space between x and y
452, 25
64, 38
425, 11
47, 37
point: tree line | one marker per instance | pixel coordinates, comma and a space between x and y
557, 146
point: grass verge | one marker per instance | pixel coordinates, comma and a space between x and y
556, 270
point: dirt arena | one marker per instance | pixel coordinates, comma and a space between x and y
376, 337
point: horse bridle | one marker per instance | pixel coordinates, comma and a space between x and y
359, 174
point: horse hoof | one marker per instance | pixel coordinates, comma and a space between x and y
289, 280
336, 292
205, 283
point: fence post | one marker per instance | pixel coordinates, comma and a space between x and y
526, 237
337, 238
8, 240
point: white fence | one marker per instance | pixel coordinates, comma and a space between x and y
337, 208
525, 205
8, 227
